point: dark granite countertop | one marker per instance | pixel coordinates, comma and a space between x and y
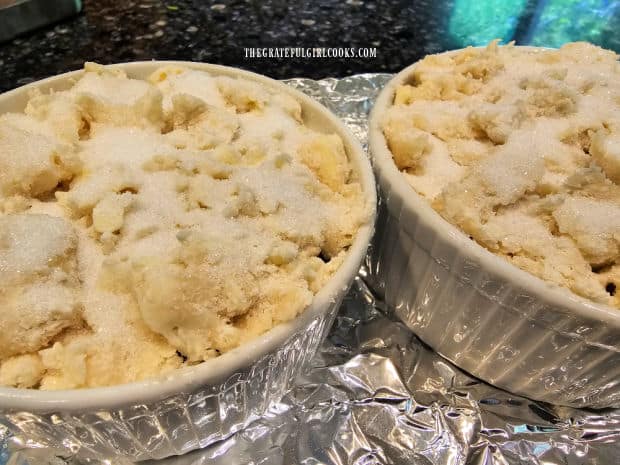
110, 31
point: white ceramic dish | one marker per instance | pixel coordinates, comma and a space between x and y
195, 406
494, 320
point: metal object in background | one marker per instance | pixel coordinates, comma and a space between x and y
17, 16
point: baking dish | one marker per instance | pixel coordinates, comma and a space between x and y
492, 319
190, 407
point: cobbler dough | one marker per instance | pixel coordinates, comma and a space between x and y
521, 150
147, 225
39, 288
33, 161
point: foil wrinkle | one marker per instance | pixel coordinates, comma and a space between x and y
375, 394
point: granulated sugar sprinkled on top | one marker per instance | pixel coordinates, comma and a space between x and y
533, 164
168, 220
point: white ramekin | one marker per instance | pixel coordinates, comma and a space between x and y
494, 320
191, 407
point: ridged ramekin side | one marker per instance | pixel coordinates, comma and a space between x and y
182, 422
194, 406
490, 318
488, 326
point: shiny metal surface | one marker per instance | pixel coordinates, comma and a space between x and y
18, 16
375, 394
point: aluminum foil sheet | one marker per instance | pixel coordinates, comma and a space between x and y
375, 394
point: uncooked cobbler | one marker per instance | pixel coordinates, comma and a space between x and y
147, 225
520, 149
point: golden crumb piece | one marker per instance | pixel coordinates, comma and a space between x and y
325, 155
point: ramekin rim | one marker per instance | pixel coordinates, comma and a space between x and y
385, 168
216, 370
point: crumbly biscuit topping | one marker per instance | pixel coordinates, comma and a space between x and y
521, 150
150, 224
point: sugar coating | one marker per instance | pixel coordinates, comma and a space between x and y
521, 150
33, 160
594, 225
605, 150
147, 225
39, 292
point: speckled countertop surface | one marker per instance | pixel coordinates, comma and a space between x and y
109, 31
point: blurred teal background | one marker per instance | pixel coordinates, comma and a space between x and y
548, 23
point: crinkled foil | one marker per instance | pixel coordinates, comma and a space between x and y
376, 395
